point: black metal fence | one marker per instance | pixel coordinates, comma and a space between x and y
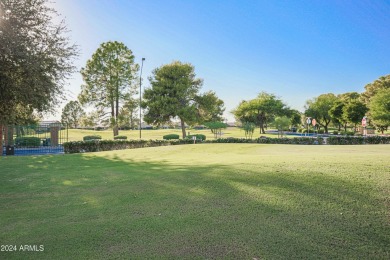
42, 138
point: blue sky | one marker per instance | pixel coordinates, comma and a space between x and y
294, 49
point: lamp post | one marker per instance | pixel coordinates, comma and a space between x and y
140, 97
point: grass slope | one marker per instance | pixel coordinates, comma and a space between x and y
239, 201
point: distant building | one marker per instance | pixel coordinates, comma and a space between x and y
46, 124
146, 126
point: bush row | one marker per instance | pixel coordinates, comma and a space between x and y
266, 140
120, 137
27, 141
347, 140
171, 137
92, 137
110, 145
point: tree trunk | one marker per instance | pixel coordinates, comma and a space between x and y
112, 119
116, 131
183, 128
262, 127
1, 140
131, 120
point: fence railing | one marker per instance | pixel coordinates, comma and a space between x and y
42, 138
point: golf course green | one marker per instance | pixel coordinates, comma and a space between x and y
209, 201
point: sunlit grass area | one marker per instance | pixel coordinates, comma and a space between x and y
78, 134
238, 201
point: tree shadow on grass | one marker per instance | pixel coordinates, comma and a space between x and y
94, 207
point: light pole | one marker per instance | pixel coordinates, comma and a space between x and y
140, 97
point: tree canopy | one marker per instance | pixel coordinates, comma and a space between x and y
380, 109
36, 58
372, 88
174, 93
109, 78
345, 109
319, 107
72, 114
260, 110
354, 111
210, 107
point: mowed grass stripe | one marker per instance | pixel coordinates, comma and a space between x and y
200, 201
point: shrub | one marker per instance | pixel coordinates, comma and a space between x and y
200, 137
348, 133
249, 128
352, 140
110, 145
92, 137
335, 132
321, 131
305, 131
120, 137
171, 137
266, 140
27, 141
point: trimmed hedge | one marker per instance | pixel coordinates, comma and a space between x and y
120, 137
110, 145
92, 137
171, 137
348, 133
27, 141
261, 140
352, 140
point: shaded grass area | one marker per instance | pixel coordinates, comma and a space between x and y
205, 201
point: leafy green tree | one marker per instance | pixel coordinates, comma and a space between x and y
354, 111
380, 109
372, 88
36, 58
216, 127
260, 110
319, 107
128, 117
282, 123
210, 107
72, 114
90, 119
174, 93
249, 129
337, 110
109, 78
294, 116
336, 114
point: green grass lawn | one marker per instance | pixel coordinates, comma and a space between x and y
237, 201
78, 134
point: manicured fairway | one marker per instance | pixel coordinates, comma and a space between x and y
235, 201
